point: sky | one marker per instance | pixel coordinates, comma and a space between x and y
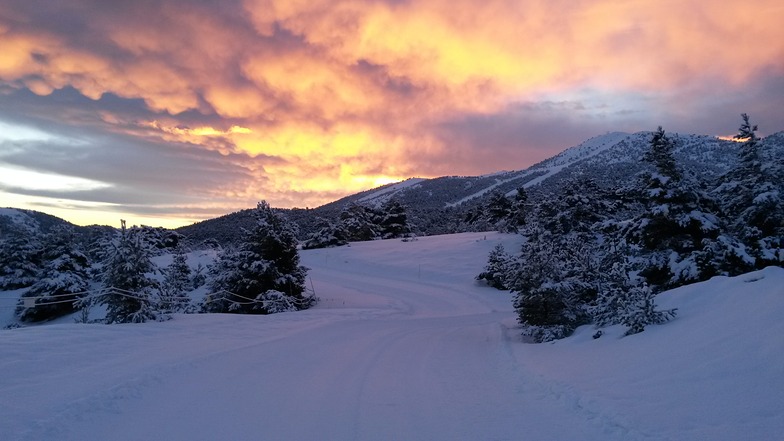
170, 112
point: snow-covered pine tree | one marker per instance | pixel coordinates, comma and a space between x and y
20, 259
499, 264
576, 211
224, 273
661, 156
498, 212
519, 210
176, 283
126, 273
328, 235
63, 281
751, 196
394, 220
678, 221
265, 265
638, 310
551, 291
623, 297
359, 223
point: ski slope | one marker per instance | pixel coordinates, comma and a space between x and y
405, 345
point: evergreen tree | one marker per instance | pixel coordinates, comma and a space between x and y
751, 196
176, 283
661, 155
678, 222
125, 273
551, 292
394, 220
498, 266
499, 210
518, 210
639, 310
359, 223
20, 259
63, 281
328, 235
264, 268
747, 134
623, 298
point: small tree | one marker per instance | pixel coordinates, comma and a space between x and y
176, 283
498, 265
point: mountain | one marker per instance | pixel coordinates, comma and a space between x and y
440, 205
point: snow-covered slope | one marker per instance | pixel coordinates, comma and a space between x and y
406, 345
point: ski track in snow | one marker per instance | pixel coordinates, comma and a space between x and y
403, 346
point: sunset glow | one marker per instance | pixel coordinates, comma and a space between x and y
177, 111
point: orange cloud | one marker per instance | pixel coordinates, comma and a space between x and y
332, 96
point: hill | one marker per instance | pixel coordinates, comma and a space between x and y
440, 205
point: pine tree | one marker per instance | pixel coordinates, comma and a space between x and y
678, 222
752, 199
661, 155
125, 273
328, 235
499, 210
264, 268
519, 210
63, 281
176, 283
394, 220
498, 265
551, 292
359, 223
20, 259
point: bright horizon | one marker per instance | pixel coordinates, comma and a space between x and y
167, 113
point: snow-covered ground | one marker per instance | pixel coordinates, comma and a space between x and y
405, 345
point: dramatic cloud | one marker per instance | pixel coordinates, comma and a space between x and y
189, 109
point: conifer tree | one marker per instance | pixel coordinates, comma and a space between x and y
63, 281
359, 223
751, 196
394, 220
126, 272
328, 235
519, 210
499, 209
176, 283
263, 276
678, 218
551, 290
498, 266
20, 259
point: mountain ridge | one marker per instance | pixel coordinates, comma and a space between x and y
436, 204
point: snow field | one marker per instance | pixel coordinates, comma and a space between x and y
406, 345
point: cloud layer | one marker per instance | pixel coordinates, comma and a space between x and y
189, 109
